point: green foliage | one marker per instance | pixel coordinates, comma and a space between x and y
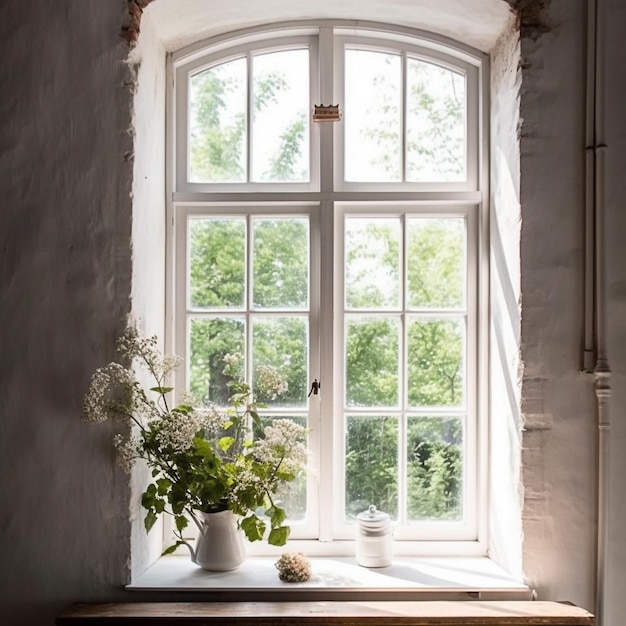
282, 164
218, 103
217, 141
371, 464
372, 362
435, 469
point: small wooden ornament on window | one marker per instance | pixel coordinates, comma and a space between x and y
328, 113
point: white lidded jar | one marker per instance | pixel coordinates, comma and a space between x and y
373, 539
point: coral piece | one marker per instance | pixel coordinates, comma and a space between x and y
293, 567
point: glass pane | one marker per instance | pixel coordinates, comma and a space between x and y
373, 116
372, 262
279, 360
281, 263
216, 349
217, 261
217, 124
293, 496
436, 263
280, 135
435, 124
436, 362
372, 349
371, 465
435, 468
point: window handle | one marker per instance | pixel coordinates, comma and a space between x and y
315, 387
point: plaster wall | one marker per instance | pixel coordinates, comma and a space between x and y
147, 65
614, 136
505, 532
67, 284
558, 402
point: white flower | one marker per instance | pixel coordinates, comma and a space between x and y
284, 443
109, 393
269, 382
127, 451
177, 429
132, 346
246, 480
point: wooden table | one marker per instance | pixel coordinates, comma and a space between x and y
419, 613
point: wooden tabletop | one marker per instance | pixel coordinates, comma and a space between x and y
420, 613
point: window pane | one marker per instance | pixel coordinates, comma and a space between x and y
217, 124
436, 263
373, 116
371, 465
372, 349
436, 362
280, 356
281, 263
372, 262
435, 124
210, 342
217, 260
435, 468
280, 136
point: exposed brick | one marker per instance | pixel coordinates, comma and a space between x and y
130, 32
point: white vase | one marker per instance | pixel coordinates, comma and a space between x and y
220, 544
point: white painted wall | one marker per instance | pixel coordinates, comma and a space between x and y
147, 63
505, 519
67, 285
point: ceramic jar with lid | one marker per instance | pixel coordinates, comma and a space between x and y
374, 538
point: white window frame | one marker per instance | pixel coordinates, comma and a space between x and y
326, 197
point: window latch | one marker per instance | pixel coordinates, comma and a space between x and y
315, 387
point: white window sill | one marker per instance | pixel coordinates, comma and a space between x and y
424, 578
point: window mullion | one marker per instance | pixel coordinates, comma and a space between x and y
403, 120
249, 116
330, 463
248, 303
403, 381
327, 97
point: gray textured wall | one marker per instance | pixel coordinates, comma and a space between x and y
65, 280
65, 268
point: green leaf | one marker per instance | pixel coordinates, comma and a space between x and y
172, 548
161, 390
181, 523
163, 485
277, 515
225, 443
279, 536
148, 497
149, 521
178, 506
253, 527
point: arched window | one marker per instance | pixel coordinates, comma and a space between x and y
343, 252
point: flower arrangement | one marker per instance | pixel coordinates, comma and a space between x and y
203, 458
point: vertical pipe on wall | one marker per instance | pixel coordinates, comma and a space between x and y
589, 313
595, 317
